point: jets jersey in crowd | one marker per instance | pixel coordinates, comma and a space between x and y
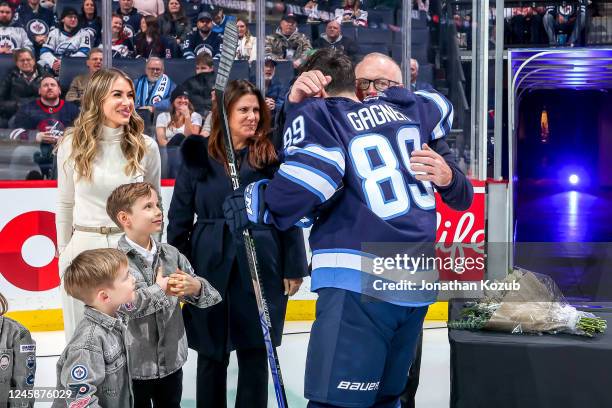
348, 164
63, 44
195, 44
14, 38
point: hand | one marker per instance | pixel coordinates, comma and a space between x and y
433, 165
292, 286
57, 65
5, 50
149, 108
271, 104
184, 110
46, 137
162, 281
234, 211
183, 284
309, 83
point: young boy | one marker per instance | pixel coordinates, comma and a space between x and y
158, 343
93, 368
17, 361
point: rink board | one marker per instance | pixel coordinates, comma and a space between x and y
28, 269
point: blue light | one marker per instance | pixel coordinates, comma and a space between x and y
574, 179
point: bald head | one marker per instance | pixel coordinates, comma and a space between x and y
376, 65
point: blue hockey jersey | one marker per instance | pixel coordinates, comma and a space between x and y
346, 168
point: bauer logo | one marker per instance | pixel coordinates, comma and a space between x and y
358, 386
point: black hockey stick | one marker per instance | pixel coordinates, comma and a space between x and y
228, 54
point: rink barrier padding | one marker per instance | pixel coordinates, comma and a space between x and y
297, 310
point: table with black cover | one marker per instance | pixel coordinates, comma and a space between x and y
499, 370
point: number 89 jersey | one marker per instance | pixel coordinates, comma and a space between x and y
346, 168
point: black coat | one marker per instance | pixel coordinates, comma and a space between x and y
15, 91
199, 87
200, 189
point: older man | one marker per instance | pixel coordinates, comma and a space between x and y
333, 38
20, 85
153, 89
80, 82
287, 44
415, 84
374, 75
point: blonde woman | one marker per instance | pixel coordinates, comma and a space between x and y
247, 44
106, 148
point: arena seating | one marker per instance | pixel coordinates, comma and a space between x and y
71, 67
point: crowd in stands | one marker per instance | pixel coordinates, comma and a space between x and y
40, 36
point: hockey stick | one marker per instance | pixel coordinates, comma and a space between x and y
228, 54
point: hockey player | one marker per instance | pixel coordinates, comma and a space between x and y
203, 39
363, 172
66, 41
12, 37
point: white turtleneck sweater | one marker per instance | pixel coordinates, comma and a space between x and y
83, 202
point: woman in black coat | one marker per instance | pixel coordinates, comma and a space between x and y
217, 255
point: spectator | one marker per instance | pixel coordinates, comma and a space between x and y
122, 43
131, 17
172, 127
67, 41
80, 82
153, 8
38, 33
247, 44
333, 39
149, 43
564, 22
173, 23
153, 89
50, 115
287, 43
220, 20
11, 37
193, 8
202, 40
204, 63
90, 20
275, 91
200, 86
415, 84
20, 85
31, 10
421, 5
352, 13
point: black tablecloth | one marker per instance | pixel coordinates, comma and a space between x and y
498, 370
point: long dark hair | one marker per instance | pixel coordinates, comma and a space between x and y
155, 48
261, 149
181, 17
84, 16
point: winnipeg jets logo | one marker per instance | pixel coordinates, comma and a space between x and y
203, 48
37, 27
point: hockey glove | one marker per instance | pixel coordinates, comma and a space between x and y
241, 208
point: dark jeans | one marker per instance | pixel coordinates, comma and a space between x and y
160, 392
211, 381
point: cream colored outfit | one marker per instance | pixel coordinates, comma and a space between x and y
247, 48
83, 203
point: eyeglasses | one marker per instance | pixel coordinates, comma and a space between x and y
380, 84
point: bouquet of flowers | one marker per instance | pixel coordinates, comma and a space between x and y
538, 306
